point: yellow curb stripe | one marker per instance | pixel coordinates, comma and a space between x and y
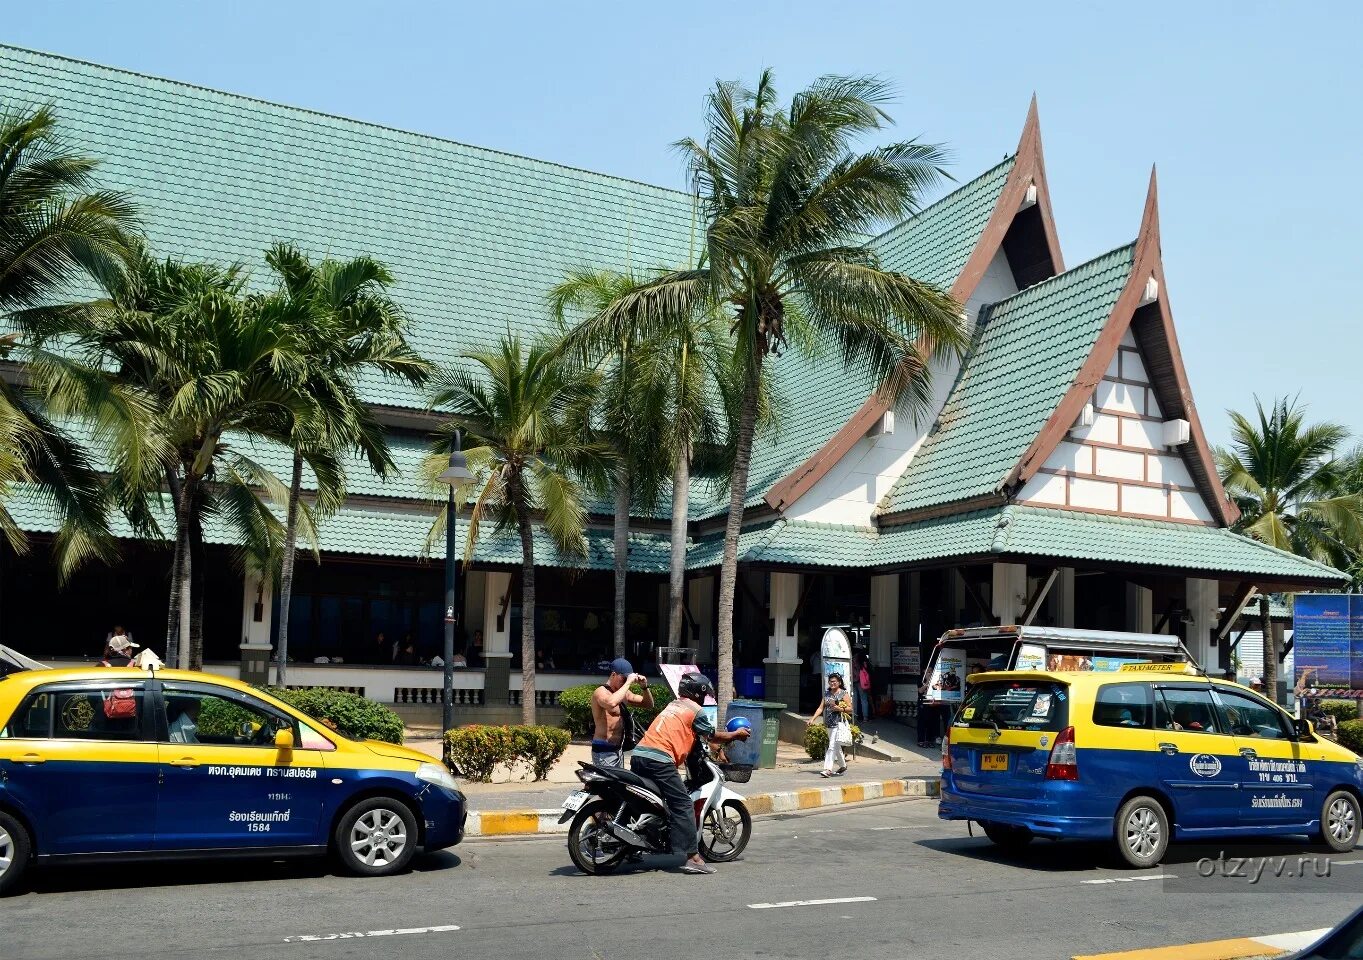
892, 788
809, 798
759, 804
514, 821
854, 794
1211, 950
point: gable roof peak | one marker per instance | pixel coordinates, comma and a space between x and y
1148, 238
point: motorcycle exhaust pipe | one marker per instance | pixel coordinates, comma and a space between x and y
626, 835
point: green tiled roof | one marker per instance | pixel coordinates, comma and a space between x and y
1021, 531
474, 237
935, 244
794, 542
1029, 349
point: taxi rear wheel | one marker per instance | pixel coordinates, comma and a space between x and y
15, 848
376, 837
1142, 832
1339, 821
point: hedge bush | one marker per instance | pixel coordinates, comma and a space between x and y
353, 715
577, 706
816, 739
1351, 735
1341, 710
477, 750
221, 719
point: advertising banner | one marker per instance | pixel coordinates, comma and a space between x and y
1327, 637
905, 661
947, 680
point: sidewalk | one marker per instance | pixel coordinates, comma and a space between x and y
1240, 948
523, 806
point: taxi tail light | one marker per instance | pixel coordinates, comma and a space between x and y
946, 750
1063, 763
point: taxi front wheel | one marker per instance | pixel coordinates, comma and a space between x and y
1339, 821
376, 837
1142, 832
15, 848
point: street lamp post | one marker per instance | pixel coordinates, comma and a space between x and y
454, 475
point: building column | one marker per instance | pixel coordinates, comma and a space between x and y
782, 664
1009, 594
496, 639
257, 614
700, 630
1140, 611
1203, 602
884, 617
1063, 593
474, 609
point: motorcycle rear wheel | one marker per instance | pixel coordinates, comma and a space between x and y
594, 851
725, 832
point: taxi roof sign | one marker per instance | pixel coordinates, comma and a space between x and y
1156, 668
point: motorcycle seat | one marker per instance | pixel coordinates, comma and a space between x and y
626, 776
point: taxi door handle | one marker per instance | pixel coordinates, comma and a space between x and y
32, 758
1169, 748
184, 762
1249, 753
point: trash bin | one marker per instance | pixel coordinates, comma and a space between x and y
749, 682
760, 749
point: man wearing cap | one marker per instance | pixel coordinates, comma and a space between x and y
608, 703
118, 649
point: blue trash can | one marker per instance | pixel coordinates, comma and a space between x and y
749, 682
759, 750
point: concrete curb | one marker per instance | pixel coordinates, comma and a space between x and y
510, 823
1239, 948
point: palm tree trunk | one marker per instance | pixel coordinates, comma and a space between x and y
738, 493
1270, 650
527, 616
286, 570
183, 586
173, 604
622, 497
676, 581
198, 585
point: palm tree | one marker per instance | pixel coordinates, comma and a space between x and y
214, 369
350, 326
524, 419
56, 229
787, 205
1283, 475
668, 410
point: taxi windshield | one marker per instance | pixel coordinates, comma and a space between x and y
1016, 705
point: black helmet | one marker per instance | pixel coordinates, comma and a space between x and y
695, 686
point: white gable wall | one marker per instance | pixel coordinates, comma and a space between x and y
1119, 464
849, 492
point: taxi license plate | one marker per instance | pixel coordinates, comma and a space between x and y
575, 800
993, 761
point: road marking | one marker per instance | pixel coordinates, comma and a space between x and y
402, 932
1158, 876
808, 903
1345, 863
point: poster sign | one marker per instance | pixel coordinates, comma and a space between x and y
1327, 637
836, 653
673, 672
905, 661
1031, 656
947, 680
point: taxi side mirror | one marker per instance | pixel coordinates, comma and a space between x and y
283, 740
1306, 730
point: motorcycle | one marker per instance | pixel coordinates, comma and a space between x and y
618, 813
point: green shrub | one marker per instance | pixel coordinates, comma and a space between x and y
222, 720
353, 715
816, 739
539, 746
474, 751
577, 706
1341, 710
1351, 735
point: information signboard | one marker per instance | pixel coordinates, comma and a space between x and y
1327, 639
905, 661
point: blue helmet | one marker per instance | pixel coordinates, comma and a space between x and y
736, 724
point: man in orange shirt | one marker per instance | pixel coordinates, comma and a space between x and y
665, 746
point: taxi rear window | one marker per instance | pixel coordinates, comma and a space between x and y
1016, 705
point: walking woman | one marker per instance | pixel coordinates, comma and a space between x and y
835, 708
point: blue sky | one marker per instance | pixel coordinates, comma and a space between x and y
1251, 111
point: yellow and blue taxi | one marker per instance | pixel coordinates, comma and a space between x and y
128, 763
1140, 757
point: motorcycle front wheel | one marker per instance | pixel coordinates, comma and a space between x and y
725, 832
593, 849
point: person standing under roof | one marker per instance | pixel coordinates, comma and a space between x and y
610, 712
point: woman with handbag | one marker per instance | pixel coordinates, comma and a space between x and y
835, 708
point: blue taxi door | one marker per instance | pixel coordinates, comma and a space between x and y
85, 778
1199, 763
1276, 787
224, 782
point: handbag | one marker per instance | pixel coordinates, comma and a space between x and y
120, 704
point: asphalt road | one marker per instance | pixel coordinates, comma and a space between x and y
937, 892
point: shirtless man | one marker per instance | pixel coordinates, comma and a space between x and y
607, 700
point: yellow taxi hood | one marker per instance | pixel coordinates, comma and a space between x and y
396, 752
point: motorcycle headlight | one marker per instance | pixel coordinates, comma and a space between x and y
438, 775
